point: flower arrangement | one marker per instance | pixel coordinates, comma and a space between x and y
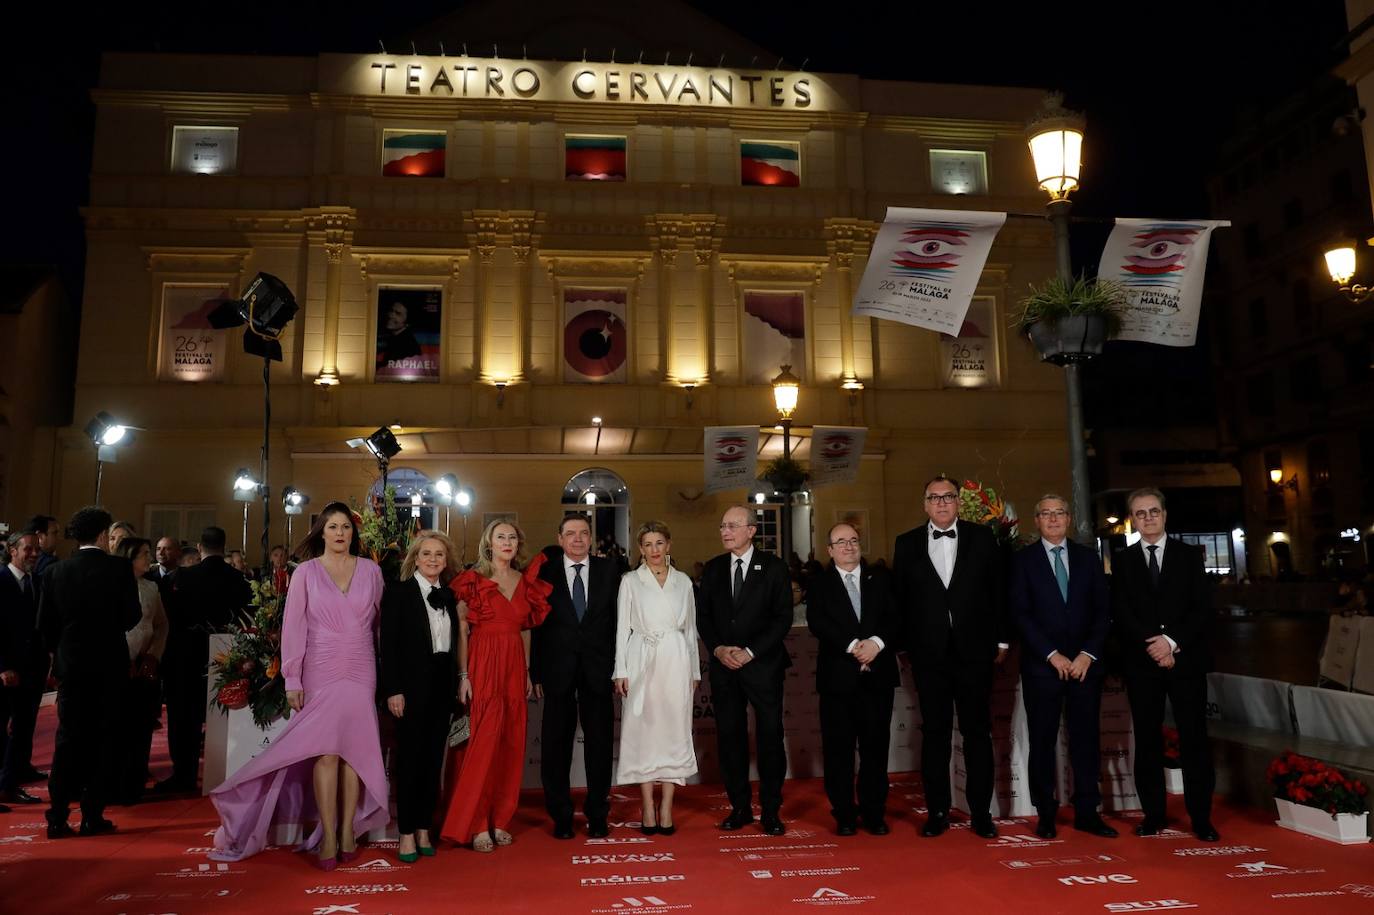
1312, 783
1173, 756
980, 504
248, 674
384, 535
1056, 299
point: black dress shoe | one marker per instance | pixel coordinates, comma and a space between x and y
736, 819
846, 828
772, 824
1206, 832
877, 827
1149, 828
936, 823
983, 827
60, 830
1094, 825
597, 829
4, 809
649, 830
1045, 828
667, 830
562, 830
97, 827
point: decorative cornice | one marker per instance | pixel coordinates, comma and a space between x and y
195, 260
950, 130
789, 269
417, 262
564, 266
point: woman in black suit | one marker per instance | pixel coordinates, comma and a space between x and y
420, 680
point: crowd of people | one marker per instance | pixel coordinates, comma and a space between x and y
453, 656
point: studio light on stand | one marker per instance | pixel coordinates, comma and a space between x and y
108, 435
293, 502
445, 493
247, 488
383, 446
463, 498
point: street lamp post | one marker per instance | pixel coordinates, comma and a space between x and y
1056, 144
785, 390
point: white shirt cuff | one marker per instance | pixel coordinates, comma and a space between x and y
850, 648
750, 650
1003, 645
1173, 646
877, 641
1091, 655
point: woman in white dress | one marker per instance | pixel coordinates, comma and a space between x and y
656, 671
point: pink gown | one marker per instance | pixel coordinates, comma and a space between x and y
327, 651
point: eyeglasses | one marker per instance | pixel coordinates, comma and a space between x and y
1147, 513
942, 498
1052, 514
731, 525
852, 541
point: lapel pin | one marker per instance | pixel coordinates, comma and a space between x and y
758, 568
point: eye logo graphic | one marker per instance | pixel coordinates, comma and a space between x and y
1161, 255
730, 450
929, 250
836, 448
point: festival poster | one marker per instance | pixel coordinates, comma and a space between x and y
969, 359
774, 335
925, 266
413, 154
730, 457
595, 338
408, 323
594, 158
764, 164
191, 349
1161, 265
205, 150
835, 454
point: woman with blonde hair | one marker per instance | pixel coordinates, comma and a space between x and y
419, 677
656, 671
499, 602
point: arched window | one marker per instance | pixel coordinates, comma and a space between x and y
602, 496
408, 484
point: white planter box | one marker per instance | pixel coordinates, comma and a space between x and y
1343, 828
1173, 780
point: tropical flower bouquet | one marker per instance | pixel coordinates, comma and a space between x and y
384, 535
980, 504
248, 674
1318, 799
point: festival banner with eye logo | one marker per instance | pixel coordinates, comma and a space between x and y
925, 265
1161, 265
595, 339
731, 456
835, 454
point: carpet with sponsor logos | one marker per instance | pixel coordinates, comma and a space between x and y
156, 864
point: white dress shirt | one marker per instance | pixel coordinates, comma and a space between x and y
440, 628
19, 574
1159, 560
854, 574
570, 573
747, 556
943, 550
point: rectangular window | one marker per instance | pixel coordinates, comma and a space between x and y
190, 349
413, 153
182, 523
205, 150
969, 360
1216, 551
769, 163
1259, 395
774, 335
955, 171
1319, 462
408, 327
767, 536
1306, 380
590, 158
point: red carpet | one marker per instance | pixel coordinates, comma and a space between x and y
156, 864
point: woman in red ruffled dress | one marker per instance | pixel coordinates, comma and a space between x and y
500, 603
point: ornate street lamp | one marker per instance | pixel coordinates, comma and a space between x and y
1340, 263
786, 388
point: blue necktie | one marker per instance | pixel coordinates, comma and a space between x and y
579, 592
1061, 573
854, 600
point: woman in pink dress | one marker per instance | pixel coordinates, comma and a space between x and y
500, 603
331, 742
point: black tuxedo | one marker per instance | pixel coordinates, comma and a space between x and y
952, 636
1048, 624
203, 598
86, 605
1179, 607
22, 651
758, 620
855, 705
429, 682
572, 661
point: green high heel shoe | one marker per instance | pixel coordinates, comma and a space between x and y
426, 850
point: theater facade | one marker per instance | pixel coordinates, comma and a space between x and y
489, 253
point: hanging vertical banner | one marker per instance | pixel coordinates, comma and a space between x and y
191, 349
595, 339
731, 456
969, 359
925, 265
835, 454
1161, 266
408, 326
774, 335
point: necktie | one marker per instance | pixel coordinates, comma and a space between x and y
1154, 565
737, 586
579, 592
853, 589
1061, 574
949, 533
26, 587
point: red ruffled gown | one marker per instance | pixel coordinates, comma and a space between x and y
487, 789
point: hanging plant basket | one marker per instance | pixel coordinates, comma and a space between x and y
1070, 321
1070, 339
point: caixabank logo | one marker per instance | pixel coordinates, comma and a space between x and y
1266, 869
828, 897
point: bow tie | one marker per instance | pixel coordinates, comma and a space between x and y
440, 598
938, 534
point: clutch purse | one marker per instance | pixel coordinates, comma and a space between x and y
459, 730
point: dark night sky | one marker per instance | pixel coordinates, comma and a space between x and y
1160, 89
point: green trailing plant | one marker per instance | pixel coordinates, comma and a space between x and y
384, 533
1057, 298
784, 475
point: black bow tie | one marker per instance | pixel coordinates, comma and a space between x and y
440, 598
938, 534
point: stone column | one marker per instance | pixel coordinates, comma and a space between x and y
331, 227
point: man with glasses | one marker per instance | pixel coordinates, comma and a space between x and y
743, 615
1163, 611
948, 574
1058, 598
851, 611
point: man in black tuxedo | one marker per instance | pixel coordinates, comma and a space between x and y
949, 575
49, 532
572, 657
1162, 606
204, 598
86, 605
743, 614
1058, 599
23, 668
851, 611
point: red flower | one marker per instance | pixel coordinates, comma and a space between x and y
233, 695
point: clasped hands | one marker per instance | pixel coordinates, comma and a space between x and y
864, 651
732, 656
1076, 669
1160, 651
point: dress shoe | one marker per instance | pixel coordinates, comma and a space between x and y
562, 830
1094, 825
597, 829
983, 827
649, 830
936, 823
772, 824
19, 796
736, 819
4, 809
1206, 832
96, 827
426, 850
877, 827
325, 864
1045, 828
846, 828
1149, 828
667, 830
409, 857
348, 857
60, 830
33, 775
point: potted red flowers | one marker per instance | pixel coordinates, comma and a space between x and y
1319, 800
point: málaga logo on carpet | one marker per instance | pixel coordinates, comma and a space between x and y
629, 879
827, 896
657, 857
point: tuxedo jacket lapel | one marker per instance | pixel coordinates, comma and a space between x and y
961, 551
